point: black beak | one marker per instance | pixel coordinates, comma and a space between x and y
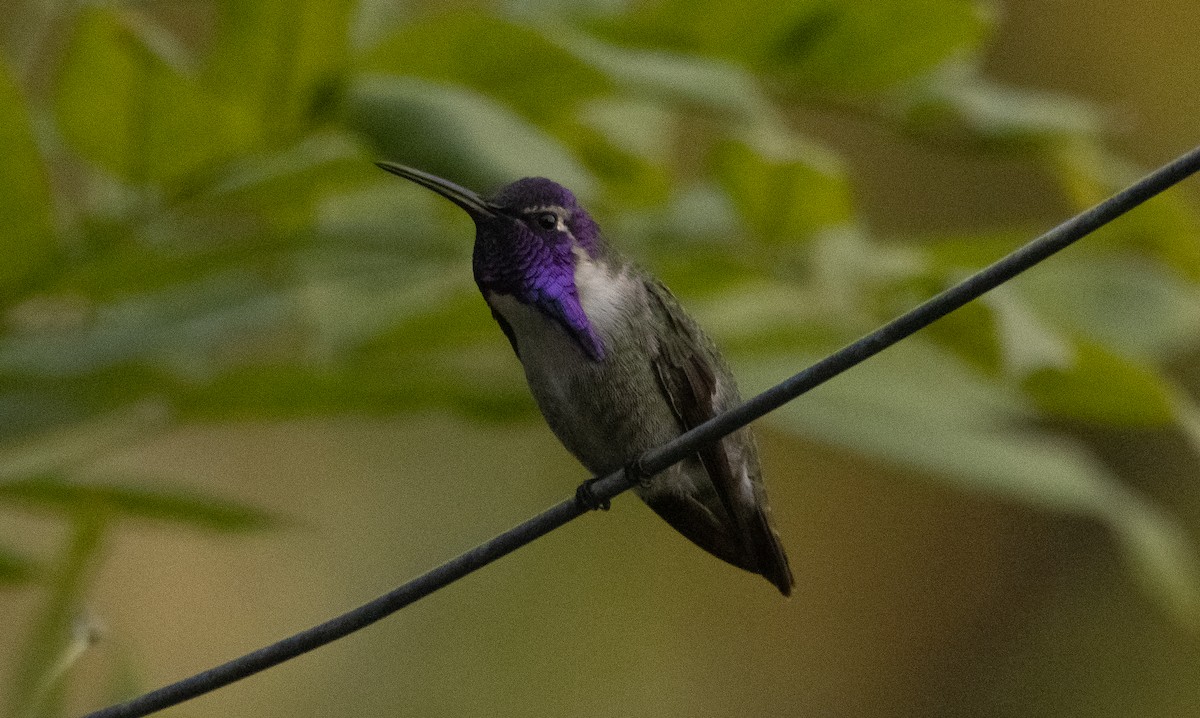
476, 206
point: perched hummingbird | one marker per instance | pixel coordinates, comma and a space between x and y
615, 364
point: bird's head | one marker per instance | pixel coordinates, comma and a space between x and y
529, 239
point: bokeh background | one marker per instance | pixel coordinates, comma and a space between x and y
246, 384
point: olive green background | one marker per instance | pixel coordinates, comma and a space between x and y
914, 597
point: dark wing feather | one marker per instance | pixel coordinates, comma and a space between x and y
742, 534
507, 329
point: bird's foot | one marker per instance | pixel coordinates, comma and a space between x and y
586, 497
636, 473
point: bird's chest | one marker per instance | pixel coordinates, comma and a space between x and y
588, 403
555, 365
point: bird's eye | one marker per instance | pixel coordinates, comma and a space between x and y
546, 220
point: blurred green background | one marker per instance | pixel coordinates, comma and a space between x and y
246, 382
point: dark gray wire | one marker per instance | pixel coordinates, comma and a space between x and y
658, 459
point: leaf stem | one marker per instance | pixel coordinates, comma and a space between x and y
36, 692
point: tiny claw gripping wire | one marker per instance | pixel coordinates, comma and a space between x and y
635, 473
586, 497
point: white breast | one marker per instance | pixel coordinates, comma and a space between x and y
551, 357
601, 294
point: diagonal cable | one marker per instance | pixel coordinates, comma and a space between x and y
656, 460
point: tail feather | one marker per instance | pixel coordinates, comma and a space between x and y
757, 551
769, 556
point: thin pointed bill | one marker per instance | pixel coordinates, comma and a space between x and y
474, 205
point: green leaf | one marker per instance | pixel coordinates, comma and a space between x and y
28, 241
127, 678
748, 31
172, 505
279, 60
387, 222
1165, 227
1187, 414
853, 47
62, 449
1100, 387
450, 317
272, 178
842, 46
170, 248
849, 266
459, 134
16, 569
428, 344
1161, 554
58, 636
1080, 378
186, 328
642, 127
968, 434
123, 104
784, 187
707, 270
970, 333
628, 143
958, 101
343, 314
694, 82
1145, 308
306, 338
1026, 341
514, 64
962, 254
955, 426
286, 189
696, 217
371, 388
256, 211
1138, 307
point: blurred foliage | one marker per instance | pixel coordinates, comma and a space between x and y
195, 231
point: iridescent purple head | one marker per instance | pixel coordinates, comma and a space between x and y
528, 239
535, 198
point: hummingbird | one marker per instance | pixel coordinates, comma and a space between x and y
615, 364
